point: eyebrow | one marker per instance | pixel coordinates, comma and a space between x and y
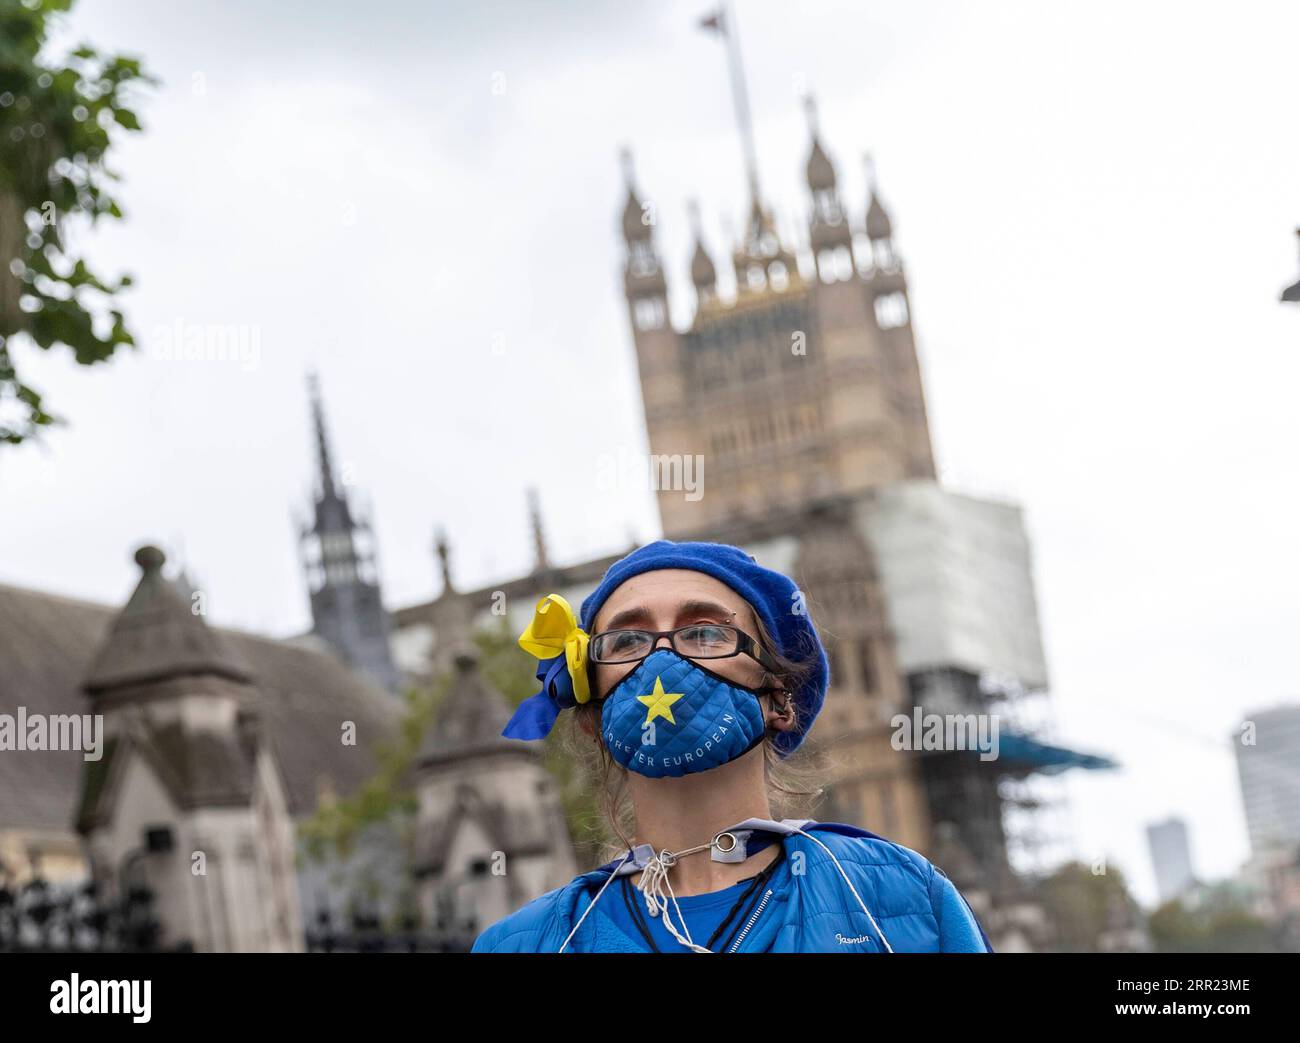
686, 608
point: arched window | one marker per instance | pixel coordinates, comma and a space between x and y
891, 310
649, 313
862, 250
642, 260
843, 263
826, 265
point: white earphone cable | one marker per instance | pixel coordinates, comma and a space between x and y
652, 882
613, 873
863, 904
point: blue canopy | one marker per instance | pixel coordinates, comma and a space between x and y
1017, 749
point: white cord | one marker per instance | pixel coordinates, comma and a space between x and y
652, 882
655, 868
850, 883
593, 902
655, 876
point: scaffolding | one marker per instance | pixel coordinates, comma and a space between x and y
957, 579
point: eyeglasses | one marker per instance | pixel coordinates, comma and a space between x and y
697, 641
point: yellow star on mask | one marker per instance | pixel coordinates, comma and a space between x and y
659, 702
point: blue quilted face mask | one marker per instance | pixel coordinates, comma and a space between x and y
670, 717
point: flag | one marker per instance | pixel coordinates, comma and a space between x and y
714, 22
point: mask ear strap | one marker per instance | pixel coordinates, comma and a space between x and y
768, 689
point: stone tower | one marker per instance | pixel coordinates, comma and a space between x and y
188, 798
491, 833
801, 384
338, 556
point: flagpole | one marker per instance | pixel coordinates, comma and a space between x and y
723, 20
741, 95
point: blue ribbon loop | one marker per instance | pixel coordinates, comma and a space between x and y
535, 716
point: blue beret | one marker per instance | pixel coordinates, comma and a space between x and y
774, 597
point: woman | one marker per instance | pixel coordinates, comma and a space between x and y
697, 671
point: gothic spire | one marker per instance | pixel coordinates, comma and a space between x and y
820, 170
879, 226
443, 550
339, 558
880, 230
703, 275
323, 460
643, 276
539, 536
829, 233
636, 225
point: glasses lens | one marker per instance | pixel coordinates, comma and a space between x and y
620, 646
707, 641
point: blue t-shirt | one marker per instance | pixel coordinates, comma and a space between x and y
701, 913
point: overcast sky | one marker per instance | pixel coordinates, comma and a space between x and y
1095, 202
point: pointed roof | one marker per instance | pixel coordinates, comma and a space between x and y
878, 223
470, 719
703, 274
332, 511
158, 636
634, 226
821, 171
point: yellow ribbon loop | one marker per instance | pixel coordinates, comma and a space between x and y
554, 630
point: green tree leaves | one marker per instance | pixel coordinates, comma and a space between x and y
58, 120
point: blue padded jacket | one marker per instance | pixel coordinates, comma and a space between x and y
807, 905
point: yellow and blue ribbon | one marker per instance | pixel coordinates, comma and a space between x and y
560, 644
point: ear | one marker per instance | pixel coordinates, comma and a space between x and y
774, 717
